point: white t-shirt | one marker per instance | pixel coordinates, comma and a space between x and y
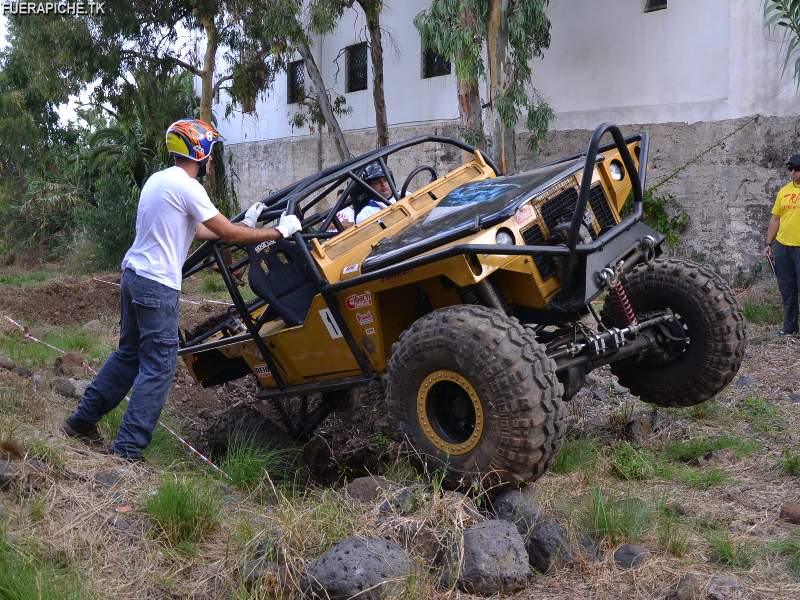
170, 207
372, 207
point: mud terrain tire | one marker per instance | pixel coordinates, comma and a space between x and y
505, 377
245, 424
713, 320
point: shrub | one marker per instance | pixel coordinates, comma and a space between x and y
183, 512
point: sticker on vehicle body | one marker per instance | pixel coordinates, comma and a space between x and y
357, 301
330, 323
263, 370
350, 269
264, 245
365, 318
370, 331
524, 214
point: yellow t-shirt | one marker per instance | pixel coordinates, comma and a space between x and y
787, 207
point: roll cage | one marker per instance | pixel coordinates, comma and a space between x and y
302, 197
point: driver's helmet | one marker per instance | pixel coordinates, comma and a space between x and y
375, 171
192, 139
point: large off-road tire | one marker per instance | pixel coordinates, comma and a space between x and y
708, 314
476, 396
243, 424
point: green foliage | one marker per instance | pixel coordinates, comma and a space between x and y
790, 549
665, 214
459, 30
248, 464
762, 311
672, 535
701, 478
183, 512
110, 223
618, 518
632, 463
790, 462
696, 447
728, 552
27, 278
577, 454
762, 416
784, 15
26, 576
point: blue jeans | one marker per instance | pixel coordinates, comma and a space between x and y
145, 360
787, 269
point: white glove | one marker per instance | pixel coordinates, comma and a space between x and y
252, 214
288, 225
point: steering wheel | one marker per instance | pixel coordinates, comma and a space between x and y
413, 174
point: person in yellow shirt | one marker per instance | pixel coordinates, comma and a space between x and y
783, 243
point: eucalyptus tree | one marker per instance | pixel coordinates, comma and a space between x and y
493, 43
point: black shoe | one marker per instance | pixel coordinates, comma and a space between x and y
90, 437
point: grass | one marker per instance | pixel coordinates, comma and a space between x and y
762, 312
618, 519
790, 463
696, 447
27, 278
762, 416
724, 550
52, 455
183, 512
630, 462
25, 576
790, 549
164, 449
212, 287
37, 510
247, 464
673, 536
577, 454
30, 354
701, 478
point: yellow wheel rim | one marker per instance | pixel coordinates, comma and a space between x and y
450, 412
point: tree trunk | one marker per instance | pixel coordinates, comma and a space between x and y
469, 112
207, 91
372, 11
324, 102
503, 147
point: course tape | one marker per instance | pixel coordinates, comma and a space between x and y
27, 335
195, 302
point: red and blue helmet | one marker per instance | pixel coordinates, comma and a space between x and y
192, 139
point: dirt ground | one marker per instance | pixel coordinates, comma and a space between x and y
745, 506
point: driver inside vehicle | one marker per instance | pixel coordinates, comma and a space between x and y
367, 204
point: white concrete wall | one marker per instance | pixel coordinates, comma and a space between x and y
698, 60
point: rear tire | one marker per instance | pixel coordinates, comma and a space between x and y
711, 317
476, 395
245, 425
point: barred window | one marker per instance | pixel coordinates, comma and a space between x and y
653, 5
434, 64
295, 82
356, 67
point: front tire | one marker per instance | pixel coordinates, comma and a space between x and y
476, 395
709, 315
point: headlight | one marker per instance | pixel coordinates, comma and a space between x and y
504, 237
616, 170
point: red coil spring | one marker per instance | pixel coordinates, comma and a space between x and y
623, 303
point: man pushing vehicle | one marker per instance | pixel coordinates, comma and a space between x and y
173, 209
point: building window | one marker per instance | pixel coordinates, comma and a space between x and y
653, 5
356, 67
434, 64
295, 82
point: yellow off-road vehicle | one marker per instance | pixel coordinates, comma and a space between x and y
466, 305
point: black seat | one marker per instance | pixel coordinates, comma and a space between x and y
280, 276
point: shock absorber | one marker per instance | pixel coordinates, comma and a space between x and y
623, 302
612, 277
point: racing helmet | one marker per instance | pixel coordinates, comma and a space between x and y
192, 139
